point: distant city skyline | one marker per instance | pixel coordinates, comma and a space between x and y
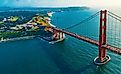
60, 3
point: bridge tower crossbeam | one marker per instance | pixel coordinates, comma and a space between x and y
102, 57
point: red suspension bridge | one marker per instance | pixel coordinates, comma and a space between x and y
109, 31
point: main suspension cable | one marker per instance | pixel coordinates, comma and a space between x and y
83, 21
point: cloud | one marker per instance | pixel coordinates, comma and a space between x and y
51, 3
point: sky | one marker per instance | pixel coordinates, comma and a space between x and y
60, 3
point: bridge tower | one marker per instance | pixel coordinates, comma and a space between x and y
102, 57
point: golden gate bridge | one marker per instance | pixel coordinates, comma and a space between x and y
109, 31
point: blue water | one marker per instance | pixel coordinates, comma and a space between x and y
71, 56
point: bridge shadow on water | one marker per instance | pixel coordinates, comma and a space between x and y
56, 55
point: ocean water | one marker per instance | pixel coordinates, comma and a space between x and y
71, 56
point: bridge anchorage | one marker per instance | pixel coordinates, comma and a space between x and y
102, 58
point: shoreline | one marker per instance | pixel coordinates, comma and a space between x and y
18, 38
28, 37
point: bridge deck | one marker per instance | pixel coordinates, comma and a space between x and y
111, 48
